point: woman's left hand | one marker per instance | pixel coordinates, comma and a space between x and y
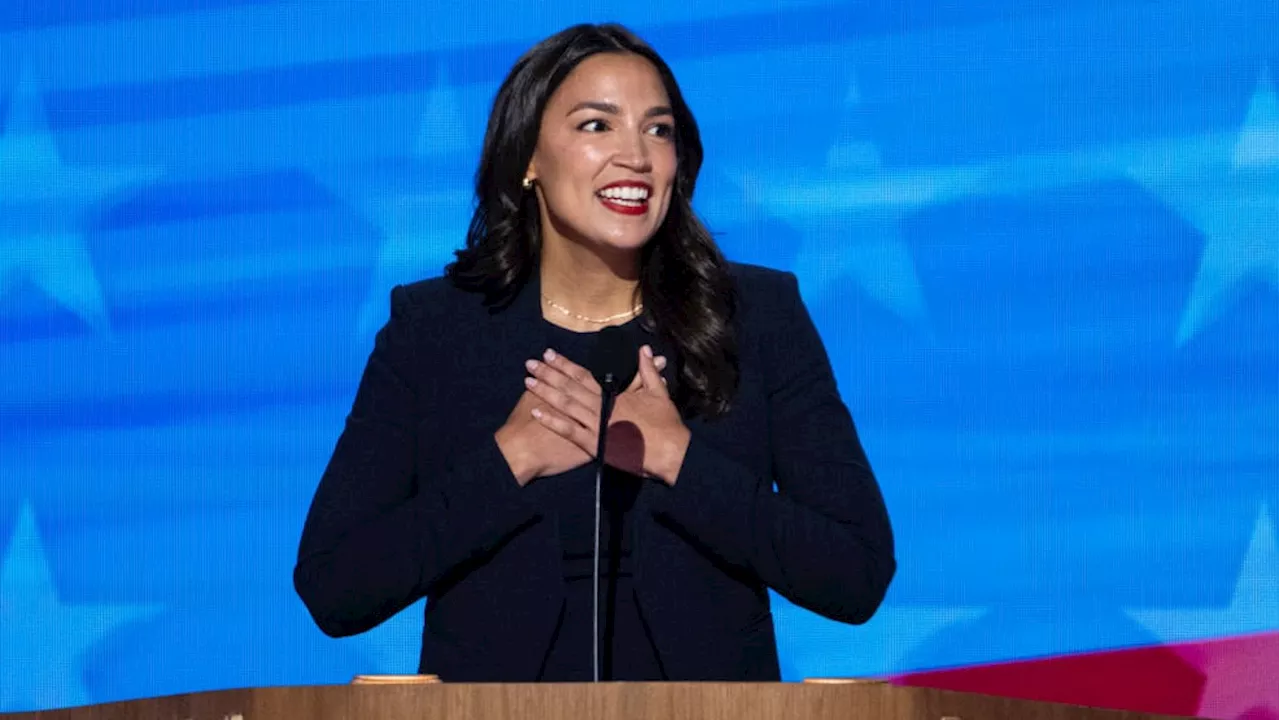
646, 434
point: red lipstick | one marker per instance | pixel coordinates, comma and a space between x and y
627, 197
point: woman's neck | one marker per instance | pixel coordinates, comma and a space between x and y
579, 287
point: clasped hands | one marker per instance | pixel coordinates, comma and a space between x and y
554, 426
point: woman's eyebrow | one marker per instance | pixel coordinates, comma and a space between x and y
612, 109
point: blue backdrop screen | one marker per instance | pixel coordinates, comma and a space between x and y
1039, 240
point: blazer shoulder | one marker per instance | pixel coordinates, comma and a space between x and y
433, 298
765, 296
758, 277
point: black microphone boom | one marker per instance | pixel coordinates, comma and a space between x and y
614, 364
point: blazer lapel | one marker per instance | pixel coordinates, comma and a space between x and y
519, 326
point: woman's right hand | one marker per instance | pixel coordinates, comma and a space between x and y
531, 449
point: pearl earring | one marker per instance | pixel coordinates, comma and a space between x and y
527, 184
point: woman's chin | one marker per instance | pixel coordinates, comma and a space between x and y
619, 244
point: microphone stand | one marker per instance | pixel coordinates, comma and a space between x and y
609, 390
613, 363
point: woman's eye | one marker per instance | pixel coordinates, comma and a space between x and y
662, 130
594, 126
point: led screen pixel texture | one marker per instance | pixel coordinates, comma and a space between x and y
1039, 240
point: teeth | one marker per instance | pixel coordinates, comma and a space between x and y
625, 193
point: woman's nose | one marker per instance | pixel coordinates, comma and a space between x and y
633, 152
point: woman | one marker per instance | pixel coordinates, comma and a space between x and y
464, 473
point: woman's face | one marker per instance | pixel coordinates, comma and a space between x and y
605, 159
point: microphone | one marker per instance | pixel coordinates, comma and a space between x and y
613, 361
614, 364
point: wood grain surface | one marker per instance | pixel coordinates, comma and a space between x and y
573, 701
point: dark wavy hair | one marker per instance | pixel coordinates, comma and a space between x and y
684, 280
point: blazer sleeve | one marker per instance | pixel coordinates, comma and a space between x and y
377, 537
823, 540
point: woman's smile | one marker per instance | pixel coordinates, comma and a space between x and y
626, 197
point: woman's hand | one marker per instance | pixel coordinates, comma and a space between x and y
533, 451
646, 435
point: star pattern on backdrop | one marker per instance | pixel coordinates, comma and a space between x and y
877, 648
43, 204
1227, 191
1253, 606
1233, 685
42, 638
420, 226
872, 255
417, 242
1225, 185
442, 130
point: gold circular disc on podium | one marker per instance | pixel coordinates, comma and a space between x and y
395, 679
844, 681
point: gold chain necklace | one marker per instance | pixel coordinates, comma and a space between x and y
595, 321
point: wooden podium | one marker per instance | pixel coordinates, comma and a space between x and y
604, 701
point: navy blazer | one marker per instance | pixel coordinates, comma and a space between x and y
417, 499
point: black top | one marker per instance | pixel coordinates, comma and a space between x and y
417, 499
626, 653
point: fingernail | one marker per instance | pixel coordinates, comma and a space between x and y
537, 413
531, 365
530, 382
549, 355
660, 362
648, 351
